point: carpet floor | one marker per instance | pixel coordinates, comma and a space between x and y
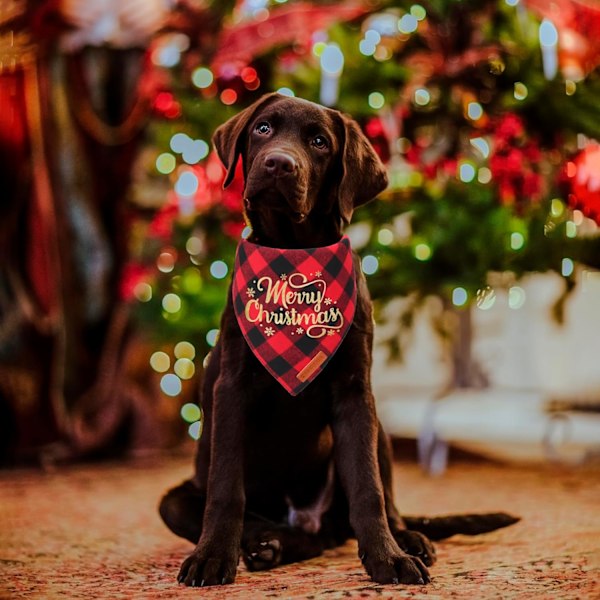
93, 532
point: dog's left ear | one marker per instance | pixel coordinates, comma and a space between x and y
228, 138
363, 173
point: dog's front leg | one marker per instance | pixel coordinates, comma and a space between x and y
355, 431
214, 560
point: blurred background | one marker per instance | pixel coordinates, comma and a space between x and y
117, 239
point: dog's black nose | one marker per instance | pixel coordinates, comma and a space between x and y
279, 164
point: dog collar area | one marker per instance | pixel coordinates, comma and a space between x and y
294, 306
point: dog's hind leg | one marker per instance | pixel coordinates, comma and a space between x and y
182, 509
266, 545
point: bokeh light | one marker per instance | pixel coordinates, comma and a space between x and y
160, 361
184, 350
459, 296
212, 336
184, 368
195, 430
219, 269
165, 163
202, 77
171, 303
190, 412
170, 384
516, 297
370, 264
422, 252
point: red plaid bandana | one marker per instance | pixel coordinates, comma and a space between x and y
294, 307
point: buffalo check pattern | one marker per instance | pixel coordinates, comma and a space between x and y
294, 307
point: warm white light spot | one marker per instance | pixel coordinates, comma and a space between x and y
422, 97
422, 252
570, 229
160, 362
194, 245
185, 350
171, 303
202, 77
318, 48
165, 163
557, 207
418, 12
166, 260
184, 368
486, 298
376, 100
517, 240
516, 297
190, 412
520, 91
484, 175
143, 291
385, 236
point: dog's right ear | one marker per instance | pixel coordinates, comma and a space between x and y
364, 175
228, 138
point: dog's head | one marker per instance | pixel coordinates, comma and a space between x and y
306, 168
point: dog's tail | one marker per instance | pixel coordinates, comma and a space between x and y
439, 528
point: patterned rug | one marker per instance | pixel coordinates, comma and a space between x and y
93, 532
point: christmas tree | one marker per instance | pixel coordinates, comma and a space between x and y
484, 112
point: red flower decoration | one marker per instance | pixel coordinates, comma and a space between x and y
583, 177
514, 162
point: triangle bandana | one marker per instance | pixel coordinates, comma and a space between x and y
294, 307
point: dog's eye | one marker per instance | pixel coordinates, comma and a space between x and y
263, 128
319, 142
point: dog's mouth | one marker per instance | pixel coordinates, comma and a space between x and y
269, 199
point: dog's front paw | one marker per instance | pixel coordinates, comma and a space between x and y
395, 567
416, 544
208, 568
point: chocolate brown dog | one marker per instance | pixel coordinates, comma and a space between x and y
282, 477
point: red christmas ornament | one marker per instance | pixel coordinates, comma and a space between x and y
583, 178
